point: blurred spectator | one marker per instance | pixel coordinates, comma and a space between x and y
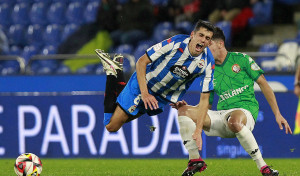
227, 10
3, 43
177, 10
91, 36
106, 17
189, 9
206, 7
135, 21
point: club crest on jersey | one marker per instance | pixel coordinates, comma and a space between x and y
201, 63
180, 71
236, 68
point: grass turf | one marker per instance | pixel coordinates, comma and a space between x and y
165, 167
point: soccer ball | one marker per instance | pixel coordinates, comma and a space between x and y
28, 164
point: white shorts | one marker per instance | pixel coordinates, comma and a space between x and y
219, 122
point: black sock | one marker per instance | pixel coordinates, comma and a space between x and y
113, 88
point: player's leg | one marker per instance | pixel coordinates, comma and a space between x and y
187, 128
115, 83
117, 120
241, 123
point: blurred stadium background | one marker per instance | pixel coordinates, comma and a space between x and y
52, 85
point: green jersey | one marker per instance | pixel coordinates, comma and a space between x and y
234, 83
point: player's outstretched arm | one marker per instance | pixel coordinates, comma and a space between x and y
148, 99
270, 96
200, 113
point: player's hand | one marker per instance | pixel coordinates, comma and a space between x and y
149, 101
198, 138
297, 91
178, 104
282, 122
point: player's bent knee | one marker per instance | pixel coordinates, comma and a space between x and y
235, 126
183, 111
111, 128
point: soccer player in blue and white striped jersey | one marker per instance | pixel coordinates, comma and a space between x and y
163, 75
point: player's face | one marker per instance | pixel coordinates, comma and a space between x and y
199, 41
215, 48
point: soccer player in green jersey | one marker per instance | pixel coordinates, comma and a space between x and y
237, 112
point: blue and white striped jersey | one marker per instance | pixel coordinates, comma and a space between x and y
173, 69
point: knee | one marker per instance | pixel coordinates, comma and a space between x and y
235, 125
182, 111
111, 128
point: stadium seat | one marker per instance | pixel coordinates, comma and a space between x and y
10, 2
35, 34
74, 13
163, 31
48, 50
226, 27
16, 35
62, 70
91, 12
99, 69
38, 13
68, 30
89, 69
95, 1
147, 42
268, 47
56, 13
124, 49
20, 13
185, 27
45, 1
286, 60
10, 67
28, 1
140, 50
15, 50
52, 34
44, 70
262, 11
5, 14
29, 51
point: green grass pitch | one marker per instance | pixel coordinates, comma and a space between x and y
164, 167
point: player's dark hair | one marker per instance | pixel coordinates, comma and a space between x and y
218, 34
204, 24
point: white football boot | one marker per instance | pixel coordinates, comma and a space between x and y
110, 66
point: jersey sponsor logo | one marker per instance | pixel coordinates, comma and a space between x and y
157, 47
255, 67
236, 68
180, 71
229, 94
201, 63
